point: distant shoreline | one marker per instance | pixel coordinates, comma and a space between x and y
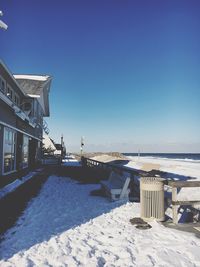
183, 156
188, 156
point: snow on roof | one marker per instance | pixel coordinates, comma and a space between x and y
32, 77
36, 85
47, 142
32, 84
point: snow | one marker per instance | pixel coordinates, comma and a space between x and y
66, 226
180, 167
12, 186
32, 77
47, 142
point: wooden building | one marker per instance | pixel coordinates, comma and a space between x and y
24, 102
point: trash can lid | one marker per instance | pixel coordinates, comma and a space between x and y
153, 180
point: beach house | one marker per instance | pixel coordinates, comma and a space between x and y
24, 102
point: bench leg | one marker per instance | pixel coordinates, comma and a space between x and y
174, 207
175, 214
113, 197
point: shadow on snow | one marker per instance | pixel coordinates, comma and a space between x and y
62, 204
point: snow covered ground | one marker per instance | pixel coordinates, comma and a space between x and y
66, 226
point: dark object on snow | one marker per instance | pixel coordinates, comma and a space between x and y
143, 226
140, 223
137, 220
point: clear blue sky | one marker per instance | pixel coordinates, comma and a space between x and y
126, 74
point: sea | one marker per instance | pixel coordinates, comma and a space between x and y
178, 156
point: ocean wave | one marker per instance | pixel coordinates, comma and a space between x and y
175, 156
167, 158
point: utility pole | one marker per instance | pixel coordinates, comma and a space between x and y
2, 24
62, 140
62, 146
82, 144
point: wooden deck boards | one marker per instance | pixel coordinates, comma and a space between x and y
186, 227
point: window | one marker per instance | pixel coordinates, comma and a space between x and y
2, 85
9, 92
9, 150
25, 151
36, 107
16, 99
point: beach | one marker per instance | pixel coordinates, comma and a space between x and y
185, 167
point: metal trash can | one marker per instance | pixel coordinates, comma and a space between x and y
152, 198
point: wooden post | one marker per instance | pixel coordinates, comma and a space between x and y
174, 206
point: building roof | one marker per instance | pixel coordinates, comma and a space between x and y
47, 142
36, 86
2, 64
32, 84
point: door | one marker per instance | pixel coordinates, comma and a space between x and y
9, 150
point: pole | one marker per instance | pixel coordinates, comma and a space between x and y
82, 144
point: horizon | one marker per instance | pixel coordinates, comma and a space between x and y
125, 73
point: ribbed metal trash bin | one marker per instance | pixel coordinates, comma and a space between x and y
152, 198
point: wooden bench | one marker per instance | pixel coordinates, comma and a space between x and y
116, 187
175, 203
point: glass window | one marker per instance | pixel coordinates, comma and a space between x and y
25, 151
16, 99
9, 92
9, 150
2, 85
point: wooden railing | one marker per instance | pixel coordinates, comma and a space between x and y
175, 203
111, 166
107, 167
